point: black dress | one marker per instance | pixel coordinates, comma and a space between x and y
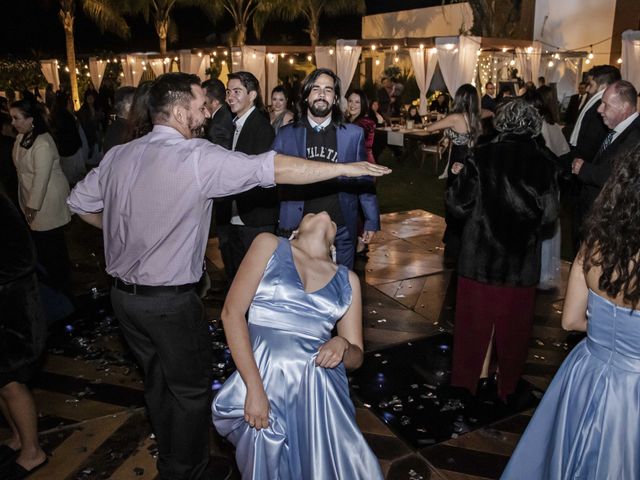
22, 321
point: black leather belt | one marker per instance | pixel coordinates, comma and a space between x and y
149, 290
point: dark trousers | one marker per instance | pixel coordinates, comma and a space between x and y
345, 247
169, 337
234, 242
53, 256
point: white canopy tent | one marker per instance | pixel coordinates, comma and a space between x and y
631, 57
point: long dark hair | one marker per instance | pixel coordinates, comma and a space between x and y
364, 104
548, 107
467, 101
30, 108
337, 117
139, 121
612, 231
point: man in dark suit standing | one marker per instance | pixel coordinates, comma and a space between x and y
242, 217
576, 104
589, 132
488, 100
321, 135
220, 126
618, 111
587, 137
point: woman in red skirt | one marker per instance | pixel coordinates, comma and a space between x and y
507, 193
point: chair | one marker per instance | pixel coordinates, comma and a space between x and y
438, 149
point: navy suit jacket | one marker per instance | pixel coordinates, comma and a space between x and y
292, 140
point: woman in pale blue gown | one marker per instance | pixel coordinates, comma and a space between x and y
287, 409
588, 423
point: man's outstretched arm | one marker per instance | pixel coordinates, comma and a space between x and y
297, 171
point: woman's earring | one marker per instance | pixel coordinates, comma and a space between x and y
294, 235
332, 252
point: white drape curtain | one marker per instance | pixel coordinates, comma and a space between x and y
253, 59
236, 60
132, 69
347, 56
326, 58
431, 57
50, 71
96, 70
190, 62
529, 60
204, 64
157, 66
630, 67
419, 69
272, 75
457, 58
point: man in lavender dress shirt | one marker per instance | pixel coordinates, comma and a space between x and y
152, 198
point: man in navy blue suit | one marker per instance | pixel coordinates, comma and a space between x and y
321, 134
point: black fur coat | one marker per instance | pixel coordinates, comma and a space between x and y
22, 321
508, 194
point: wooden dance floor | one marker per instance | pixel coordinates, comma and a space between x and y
89, 394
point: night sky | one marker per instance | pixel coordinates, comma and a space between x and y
31, 29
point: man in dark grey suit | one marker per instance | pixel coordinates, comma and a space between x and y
618, 111
220, 126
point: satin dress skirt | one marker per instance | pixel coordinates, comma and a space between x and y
588, 423
312, 433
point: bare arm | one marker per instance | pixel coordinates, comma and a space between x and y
454, 121
94, 219
297, 171
575, 301
237, 303
348, 346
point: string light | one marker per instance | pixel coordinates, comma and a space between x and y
331, 51
309, 58
291, 60
619, 60
373, 48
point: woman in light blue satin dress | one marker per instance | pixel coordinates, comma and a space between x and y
287, 409
588, 423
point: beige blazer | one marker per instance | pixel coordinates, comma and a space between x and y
43, 186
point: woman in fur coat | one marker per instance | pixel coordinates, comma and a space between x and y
507, 193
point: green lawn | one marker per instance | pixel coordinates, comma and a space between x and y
409, 186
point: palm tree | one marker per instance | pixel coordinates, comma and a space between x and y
499, 18
160, 11
242, 11
312, 10
105, 14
